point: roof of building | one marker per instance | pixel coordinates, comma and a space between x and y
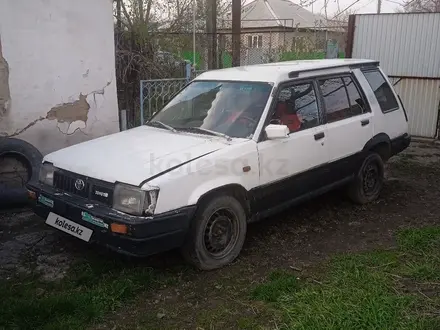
276, 72
276, 13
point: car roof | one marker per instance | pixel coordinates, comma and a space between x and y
280, 71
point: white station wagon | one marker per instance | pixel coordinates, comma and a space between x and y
234, 146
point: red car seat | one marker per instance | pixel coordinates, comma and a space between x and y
291, 120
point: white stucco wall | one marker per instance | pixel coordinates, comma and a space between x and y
56, 51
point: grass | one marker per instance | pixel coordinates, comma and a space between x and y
92, 289
382, 289
396, 289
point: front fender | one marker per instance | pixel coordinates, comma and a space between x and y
211, 185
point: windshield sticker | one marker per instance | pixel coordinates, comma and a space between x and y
246, 88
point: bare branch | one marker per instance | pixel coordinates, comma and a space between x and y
127, 16
148, 11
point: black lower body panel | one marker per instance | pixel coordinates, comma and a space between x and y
145, 235
400, 143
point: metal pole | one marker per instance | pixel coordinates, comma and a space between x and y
213, 41
142, 101
379, 4
123, 116
350, 36
194, 34
188, 72
118, 15
236, 29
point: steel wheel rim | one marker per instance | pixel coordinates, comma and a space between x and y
221, 233
371, 180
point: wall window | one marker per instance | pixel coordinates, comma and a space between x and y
336, 102
255, 41
297, 107
382, 90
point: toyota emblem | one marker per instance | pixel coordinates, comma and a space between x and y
79, 184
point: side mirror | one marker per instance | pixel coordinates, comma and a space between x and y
276, 131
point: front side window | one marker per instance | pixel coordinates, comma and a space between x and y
297, 107
336, 103
231, 108
382, 90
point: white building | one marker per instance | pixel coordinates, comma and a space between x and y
57, 72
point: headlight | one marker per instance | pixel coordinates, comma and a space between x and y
46, 174
133, 200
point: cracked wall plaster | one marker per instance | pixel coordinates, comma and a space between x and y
71, 116
42, 80
71, 111
5, 94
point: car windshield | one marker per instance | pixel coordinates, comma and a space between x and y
216, 107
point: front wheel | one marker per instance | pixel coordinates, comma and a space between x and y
217, 233
369, 180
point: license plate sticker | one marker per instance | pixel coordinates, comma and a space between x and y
45, 201
69, 227
93, 220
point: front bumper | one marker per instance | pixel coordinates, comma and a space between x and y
145, 235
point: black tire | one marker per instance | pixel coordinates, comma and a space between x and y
15, 194
24, 152
200, 245
368, 183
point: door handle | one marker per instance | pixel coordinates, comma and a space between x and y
365, 122
319, 136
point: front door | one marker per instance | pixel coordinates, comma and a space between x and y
291, 167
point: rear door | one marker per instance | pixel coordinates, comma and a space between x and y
348, 124
390, 118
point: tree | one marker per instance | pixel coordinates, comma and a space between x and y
420, 6
143, 28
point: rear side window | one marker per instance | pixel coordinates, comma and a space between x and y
357, 104
337, 106
382, 90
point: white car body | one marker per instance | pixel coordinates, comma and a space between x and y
273, 172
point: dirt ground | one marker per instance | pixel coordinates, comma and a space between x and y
296, 239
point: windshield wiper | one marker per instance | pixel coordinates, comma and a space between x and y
205, 131
157, 123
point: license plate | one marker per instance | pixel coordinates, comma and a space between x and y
69, 227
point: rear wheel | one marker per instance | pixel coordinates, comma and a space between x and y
217, 233
369, 180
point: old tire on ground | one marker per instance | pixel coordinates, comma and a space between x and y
23, 158
217, 233
369, 180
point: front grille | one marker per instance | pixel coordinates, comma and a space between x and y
67, 183
92, 189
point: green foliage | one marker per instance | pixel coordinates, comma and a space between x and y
294, 56
364, 291
91, 290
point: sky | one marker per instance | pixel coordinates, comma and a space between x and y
361, 7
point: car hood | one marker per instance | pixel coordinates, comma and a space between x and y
134, 155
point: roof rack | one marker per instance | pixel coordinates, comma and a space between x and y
365, 65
